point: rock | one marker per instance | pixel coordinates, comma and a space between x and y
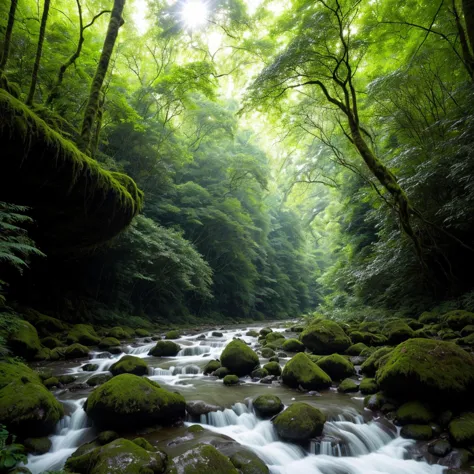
368, 338
66, 379
445, 417
293, 345
231, 380
165, 349
259, 373
268, 379
336, 366
301, 371
455, 459
239, 358
325, 337
251, 333
414, 413
375, 402
90, 367
299, 422
375, 360
24, 341
221, 372
398, 331
76, 351
458, 319
265, 331
83, 334
109, 342
98, 379
276, 337
27, 408
51, 342
347, 386
37, 445
247, 462
267, 406
274, 359
461, 429
198, 407
128, 401
172, 335
368, 386
51, 382
203, 459
267, 353
273, 368
140, 332
282, 354
211, 366
356, 349
440, 447
418, 432
429, 318
143, 443
129, 364
118, 457
117, 333
217, 334
467, 330
106, 437
426, 369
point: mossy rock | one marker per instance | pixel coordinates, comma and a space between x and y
109, 342
325, 337
467, 330
265, 331
108, 436
273, 368
348, 386
57, 353
461, 429
259, 373
456, 320
217, 334
398, 331
239, 358
267, 353
248, 462
277, 337
24, 341
447, 334
51, 342
267, 406
414, 412
129, 364
368, 386
203, 459
417, 432
375, 401
273, 345
27, 408
429, 318
143, 443
44, 324
221, 372
165, 349
76, 351
426, 369
211, 366
117, 333
376, 360
67, 379
299, 422
368, 338
90, 367
98, 379
414, 324
356, 349
140, 332
172, 335
83, 334
251, 333
466, 341
274, 359
293, 345
301, 371
128, 401
118, 457
52, 382
231, 380
336, 366
37, 445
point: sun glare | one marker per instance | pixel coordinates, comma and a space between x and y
194, 14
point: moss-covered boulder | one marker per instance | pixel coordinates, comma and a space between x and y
375, 360
109, 342
83, 334
140, 332
426, 369
267, 406
276, 337
267, 353
461, 429
44, 324
172, 335
302, 371
231, 380
211, 366
118, 457
347, 386
467, 330
336, 366
251, 333
325, 337
368, 386
418, 432
299, 422
265, 331
398, 331
128, 401
239, 358
356, 349
165, 349
248, 462
98, 379
466, 341
67, 379
90, 367
273, 368
27, 408
456, 320
129, 365
221, 372
51, 383
259, 373
76, 351
51, 342
368, 338
414, 412
37, 445
24, 341
117, 333
429, 318
203, 459
293, 345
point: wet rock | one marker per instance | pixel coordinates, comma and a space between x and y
300, 370
268, 379
347, 386
273, 368
251, 333
258, 374
165, 349
98, 379
248, 462
66, 379
172, 335
211, 366
414, 412
325, 337
440, 447
267, 353
37, 445
109, 342
267, 406
198, 407
51, 382
239, 358
218, 334
418, 432
129, 365
231, 380
89, 367
221, 372
455, 459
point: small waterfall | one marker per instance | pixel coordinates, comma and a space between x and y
179, 370
194, 351
71, 431
141, 350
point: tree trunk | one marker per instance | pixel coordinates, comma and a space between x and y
39, 50
8, 35
468, 10
96, 86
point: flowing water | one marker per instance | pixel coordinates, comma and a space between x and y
352, 442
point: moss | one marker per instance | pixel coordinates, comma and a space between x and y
90, 367
368, 338
299, 422
98, 379
203, 459
428, 370
83, 334
447, 334
325, 337
231, 380
418, 432
143, 443
66, 379
273, 368
348, 385
458, 319
259, 373
267, 353
248, 462
375, 360
461, 429
211, 366
51, 382
375, 401
77, 202
293, 345
58, 353
466, 341
265, 331
368, 386
356, 349
274, 359
274, 337
165, 349
75, 351
44, 324
129, 364
37, 445
267, 406
128, 401
221, 372
301, 371
51, 342
273, 345
467, 330
119, 456
117, 332
398, 331
336, 366
239, 358
195, 429
24, 341
251, 333
172, 335
109, 342
429, 318
108, 436
414, 412
142, 332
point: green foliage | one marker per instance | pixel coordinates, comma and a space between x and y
10, 454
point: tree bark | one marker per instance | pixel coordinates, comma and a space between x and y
8, 35
96, 86
39, 51
468, 10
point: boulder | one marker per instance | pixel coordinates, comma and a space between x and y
221, 372
267, 406
37, 445
461, 429
239, 358
52, 382
265, 331
128, 401
336, 366
76, 351
172, 335
325, 337
83, 334
273, 368
347, 386
248, 462
106, 437
267, 353
440, 447
293, 345
117, 333
129, 364
414, 412
467, 330
276, 337
456, 320
211, 366
66, 379
398, 331
429, 318
251, 333
217, 334
90, 367
109, 342
368, 386
231, 380
51, 342
24, 341
375, 360
301, 371
368, 338
197, 408
418, 432
299, 422
140, 332
98, 379
356, 349
259, 373
165, 349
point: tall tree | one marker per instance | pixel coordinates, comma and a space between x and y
8, 35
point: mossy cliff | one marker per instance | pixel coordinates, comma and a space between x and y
77, 204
